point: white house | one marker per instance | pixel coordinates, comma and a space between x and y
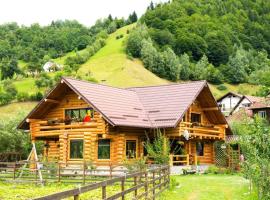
228, 101
232, 102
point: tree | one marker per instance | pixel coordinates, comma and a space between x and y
10, 88
133, 17
234, 71
185, 67
212, 74
44, 81
255, 145
171, 64
192, 44
134, 42
200, 68
112, 27
9, 68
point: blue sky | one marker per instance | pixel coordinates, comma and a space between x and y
87, 12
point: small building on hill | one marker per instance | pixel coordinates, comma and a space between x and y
81, 121
231, 102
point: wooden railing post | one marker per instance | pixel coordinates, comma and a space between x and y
187, 159
103, 191
76, 197
171, 160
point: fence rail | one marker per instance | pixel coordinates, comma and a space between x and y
146, 184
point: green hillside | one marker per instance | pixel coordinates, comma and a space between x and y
111, 66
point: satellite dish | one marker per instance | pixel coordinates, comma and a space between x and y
186, 134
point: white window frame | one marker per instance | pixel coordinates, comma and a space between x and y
262, 114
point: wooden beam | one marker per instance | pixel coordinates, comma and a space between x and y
51, 101
210, 109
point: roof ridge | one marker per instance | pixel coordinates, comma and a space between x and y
64, 77
170, 84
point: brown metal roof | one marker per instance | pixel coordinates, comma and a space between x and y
148, 107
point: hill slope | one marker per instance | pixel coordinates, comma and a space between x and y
111, 66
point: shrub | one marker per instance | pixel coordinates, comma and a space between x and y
36, 97
221, 87
5, 98
159, 149
23, 96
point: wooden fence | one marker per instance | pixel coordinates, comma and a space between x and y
29, 171
147, 184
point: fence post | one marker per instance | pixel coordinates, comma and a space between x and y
154, 185
123, 187
76, 197
146, 185
14, 171
135, 185
59, 172
103, 191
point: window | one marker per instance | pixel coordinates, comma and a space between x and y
262, 114
76, 149
200, 148
131, 149
104, 149
195, 118
78, 115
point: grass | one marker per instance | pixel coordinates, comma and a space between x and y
13, 109
192, 187
244, 88
209, 187
111, 66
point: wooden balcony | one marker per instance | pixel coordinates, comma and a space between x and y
203, 131
44, 128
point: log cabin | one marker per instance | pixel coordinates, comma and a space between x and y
83, 121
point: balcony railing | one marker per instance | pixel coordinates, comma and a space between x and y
42, 128
200, 130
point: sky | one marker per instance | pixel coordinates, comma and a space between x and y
27, 12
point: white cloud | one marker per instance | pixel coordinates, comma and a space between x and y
85, 11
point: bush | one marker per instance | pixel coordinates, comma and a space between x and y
119, 36
221, 87
5, 98
23, 96
159, 149
36, 97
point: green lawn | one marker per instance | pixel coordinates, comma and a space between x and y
193, 187
209, 187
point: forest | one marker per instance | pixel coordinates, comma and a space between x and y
220, 41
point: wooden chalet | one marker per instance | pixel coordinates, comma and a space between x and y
81, 121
